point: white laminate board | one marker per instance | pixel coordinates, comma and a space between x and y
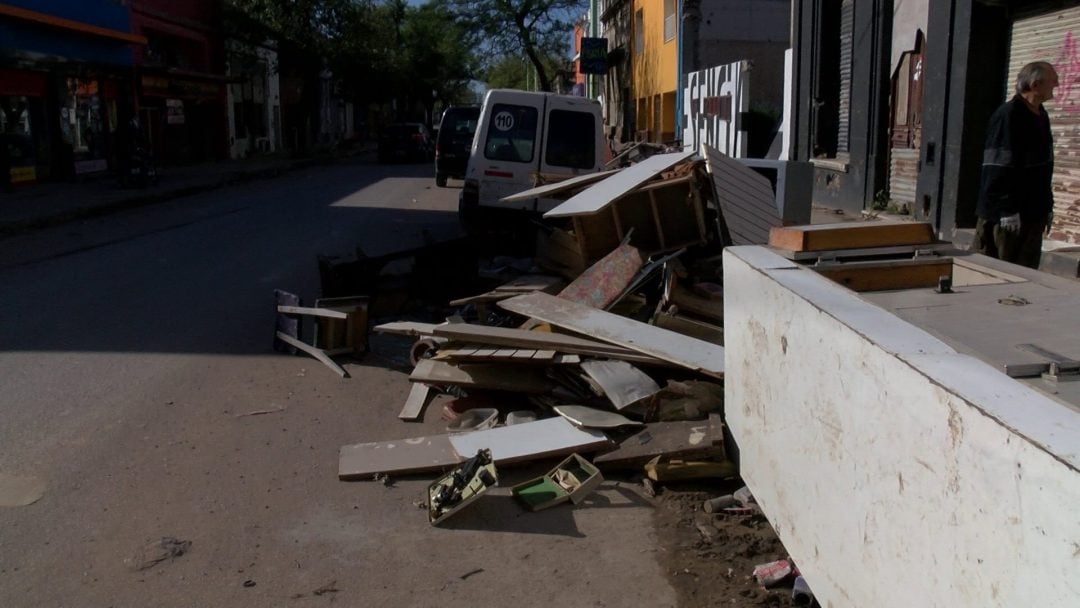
604, 193
663, 344
623, 383
528, 440
590, 417
548, 189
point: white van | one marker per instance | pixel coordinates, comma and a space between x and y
521, 134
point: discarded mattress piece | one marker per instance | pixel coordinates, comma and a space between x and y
571, 480
509, 444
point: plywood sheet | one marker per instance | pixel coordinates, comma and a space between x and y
405, 328
745, 197
648, 339
684, 439
619, 184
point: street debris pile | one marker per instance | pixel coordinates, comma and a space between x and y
603, 350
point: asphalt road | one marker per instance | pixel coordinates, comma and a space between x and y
133, 351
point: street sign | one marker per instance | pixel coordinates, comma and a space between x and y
593, 56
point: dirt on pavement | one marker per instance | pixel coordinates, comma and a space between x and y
709, 558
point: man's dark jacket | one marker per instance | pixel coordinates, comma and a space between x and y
1018, 164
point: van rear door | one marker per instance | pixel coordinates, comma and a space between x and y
573, 140
509, 146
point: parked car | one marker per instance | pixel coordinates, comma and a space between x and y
405, 141
454, 142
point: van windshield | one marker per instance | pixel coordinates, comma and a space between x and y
570, 140
511, 133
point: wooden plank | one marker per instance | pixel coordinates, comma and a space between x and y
851, 235
544, 355
623, 383
690, 302
690, 327
314, 352
525, 354
620, 183
532, 282
656, 342
484, 298
419, 397
504, 353
882, 276
406, 328
399, 456
521, 338
314, 312
560, 187
683, 439
482, 375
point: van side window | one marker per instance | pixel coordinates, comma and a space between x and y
511, 133
569, 142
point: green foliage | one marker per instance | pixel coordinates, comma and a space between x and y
539, 30
377, 51
881, 201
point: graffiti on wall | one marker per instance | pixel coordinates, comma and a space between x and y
1067, 65
713, 101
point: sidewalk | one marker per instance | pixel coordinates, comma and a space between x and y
49, 204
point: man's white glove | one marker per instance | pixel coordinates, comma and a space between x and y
1010, 223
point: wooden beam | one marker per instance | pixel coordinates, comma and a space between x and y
314, 352
419, 397
850, 235
893, 274
313, 312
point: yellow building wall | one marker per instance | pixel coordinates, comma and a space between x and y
655, 73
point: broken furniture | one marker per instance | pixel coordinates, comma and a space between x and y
869, 256
344, 323
570, 480
462, 486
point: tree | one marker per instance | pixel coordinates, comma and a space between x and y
536, 29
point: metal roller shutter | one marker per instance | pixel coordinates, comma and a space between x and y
1055, 37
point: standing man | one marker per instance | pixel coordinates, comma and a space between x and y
1016, 203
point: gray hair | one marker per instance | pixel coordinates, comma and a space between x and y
1036, 71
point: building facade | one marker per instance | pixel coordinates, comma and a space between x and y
655, 69
181, 80
892, 100
254, 100
66, 85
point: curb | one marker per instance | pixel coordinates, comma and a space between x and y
16, 227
